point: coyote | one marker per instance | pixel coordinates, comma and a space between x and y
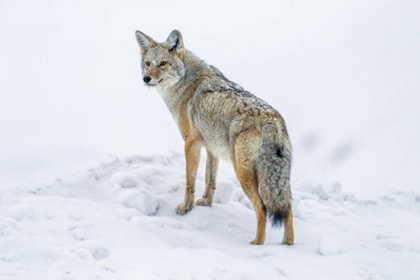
231, 123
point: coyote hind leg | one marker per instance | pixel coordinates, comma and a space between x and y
243, 151
289, 237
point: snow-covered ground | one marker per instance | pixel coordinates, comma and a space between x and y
344, 75
116, 220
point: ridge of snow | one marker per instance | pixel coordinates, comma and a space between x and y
115, 220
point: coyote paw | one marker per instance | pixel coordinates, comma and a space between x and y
182, 209
203, 202
256, 242
288, 241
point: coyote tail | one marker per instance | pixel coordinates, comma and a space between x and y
273, 168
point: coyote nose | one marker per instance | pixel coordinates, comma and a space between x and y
147, 79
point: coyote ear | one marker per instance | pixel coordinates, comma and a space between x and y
174, 43
144, 41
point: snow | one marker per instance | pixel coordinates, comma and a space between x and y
123, 179
343, 74
330, 245
80, 226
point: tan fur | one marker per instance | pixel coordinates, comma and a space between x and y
242, 158
289, 236
211, 171
213, 112
191, 148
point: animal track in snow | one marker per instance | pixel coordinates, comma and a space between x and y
96, 249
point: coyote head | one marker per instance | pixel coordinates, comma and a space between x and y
161, 63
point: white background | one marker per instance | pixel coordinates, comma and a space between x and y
344, 75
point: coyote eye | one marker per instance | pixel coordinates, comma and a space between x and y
147, 63
163, 63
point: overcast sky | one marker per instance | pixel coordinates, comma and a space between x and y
344, 75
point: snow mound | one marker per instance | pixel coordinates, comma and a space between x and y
330, 245
123, 179
20, 212
139, 200
115, 219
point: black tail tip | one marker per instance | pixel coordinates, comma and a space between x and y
277, 218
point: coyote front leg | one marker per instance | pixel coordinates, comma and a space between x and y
192, 157
211, 173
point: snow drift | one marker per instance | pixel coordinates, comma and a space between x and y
116, 220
